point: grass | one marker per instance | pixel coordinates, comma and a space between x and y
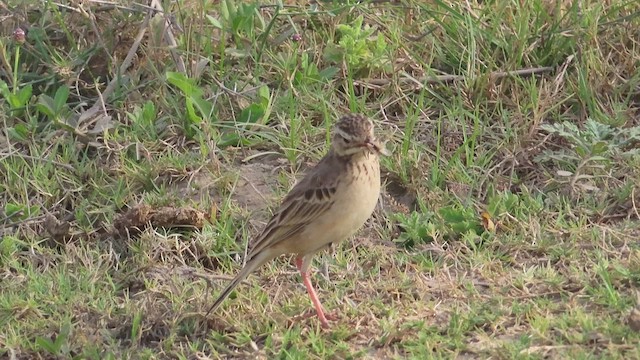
510, 219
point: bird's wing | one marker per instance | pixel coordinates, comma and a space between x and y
307, 201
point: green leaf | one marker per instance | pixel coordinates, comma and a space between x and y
11, 209
149, 112
204, 107
263, 94
63, 336
460, 220
506, 201
251, 114
452, 215
243, 18
229, 139
136, 326
24, 95
236, 53
14, 102
33, 210
333, 53
193, 95
191, 114
46, 105
60, 99
462, 227
214, 22
8, 246
598, 158
227, 9
185, 84
328, 73
417, 228
19, 132
47, 345
600, 147
4, 90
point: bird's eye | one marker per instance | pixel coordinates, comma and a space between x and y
346, 141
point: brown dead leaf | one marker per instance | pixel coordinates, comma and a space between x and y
487, 223
143, 215
58, 229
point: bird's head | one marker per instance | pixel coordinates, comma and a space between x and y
353, 134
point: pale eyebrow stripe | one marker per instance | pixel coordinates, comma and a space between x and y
342, 133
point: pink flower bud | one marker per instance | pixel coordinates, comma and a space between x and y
19, 35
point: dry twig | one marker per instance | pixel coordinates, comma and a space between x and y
421, 82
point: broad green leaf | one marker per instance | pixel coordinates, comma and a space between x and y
149, 112
193, 95
46, 105
11, 209
19, 132
251, 114
263, 93
215, 22
24, 95
60, 99
328, 73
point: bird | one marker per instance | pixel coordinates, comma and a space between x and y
331, 202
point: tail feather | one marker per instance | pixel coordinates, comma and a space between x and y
248, 268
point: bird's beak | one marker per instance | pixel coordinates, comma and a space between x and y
376, 147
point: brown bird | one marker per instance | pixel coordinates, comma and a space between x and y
328, 205
633, 319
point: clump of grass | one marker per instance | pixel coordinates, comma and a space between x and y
514, 125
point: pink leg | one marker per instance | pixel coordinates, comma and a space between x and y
312, 293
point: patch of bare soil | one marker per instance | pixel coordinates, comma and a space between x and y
250, 185
254, 189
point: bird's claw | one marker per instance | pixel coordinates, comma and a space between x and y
324, 318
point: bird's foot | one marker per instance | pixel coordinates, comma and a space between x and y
323, 317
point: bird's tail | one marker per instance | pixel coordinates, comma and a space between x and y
248, 268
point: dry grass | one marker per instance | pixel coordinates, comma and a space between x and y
526, 111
